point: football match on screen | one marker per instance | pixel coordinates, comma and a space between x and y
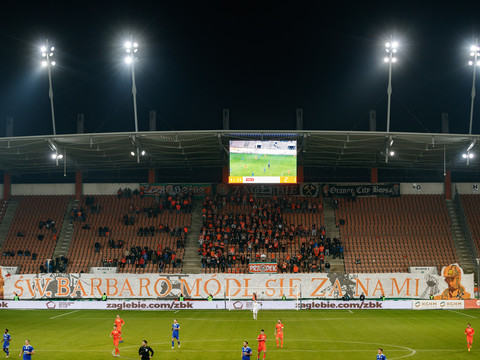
273, 162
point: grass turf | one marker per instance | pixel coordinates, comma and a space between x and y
309, 334
279, 165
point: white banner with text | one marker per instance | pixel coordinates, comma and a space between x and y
203, 305
238, 286
438, 304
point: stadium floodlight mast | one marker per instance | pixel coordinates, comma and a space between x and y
474, 54
131, 48
474, 62
47, 62
391, 48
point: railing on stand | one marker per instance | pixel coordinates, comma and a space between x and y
471, 242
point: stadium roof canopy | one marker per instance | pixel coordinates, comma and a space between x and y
207, 149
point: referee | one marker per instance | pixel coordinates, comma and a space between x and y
145, 351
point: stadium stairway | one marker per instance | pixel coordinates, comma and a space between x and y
7, 220
66, 232
337, 266
191, 260
463, 247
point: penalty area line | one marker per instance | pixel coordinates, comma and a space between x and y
458, 312
68, 313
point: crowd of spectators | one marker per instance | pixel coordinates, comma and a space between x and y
141, 256
260, 232
59, 265
25, 253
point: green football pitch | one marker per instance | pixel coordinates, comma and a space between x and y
280, 165
309, 334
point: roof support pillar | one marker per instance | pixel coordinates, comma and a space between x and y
78, 185
6, 186
152, 176
448, 185
374, 175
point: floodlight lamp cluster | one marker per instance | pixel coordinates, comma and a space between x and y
47, 54
131, 49
474, 53
468, 154
391, 48
140, 152
56, 156
388, 146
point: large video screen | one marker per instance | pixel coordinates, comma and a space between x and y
267, 162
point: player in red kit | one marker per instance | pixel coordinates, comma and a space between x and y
262, 346
116, 339
279, 333
469, 332
119, 323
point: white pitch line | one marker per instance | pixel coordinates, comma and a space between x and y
463, 314
234, 350
176, 311
71, 312
350, 311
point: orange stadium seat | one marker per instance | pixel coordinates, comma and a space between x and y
411, 230
30, 211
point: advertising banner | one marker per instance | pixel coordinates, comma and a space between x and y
310, 190
472, 304
176, 189
238, 286
438, 304
341, 190
8, 270
423, 270
323, 305
203, 305
258, 190
356, 305
262, 268
103, 270
113, 305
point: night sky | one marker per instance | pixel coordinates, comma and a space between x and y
260, 59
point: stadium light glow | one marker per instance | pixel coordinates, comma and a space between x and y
56, 156
131, 48
47, 62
